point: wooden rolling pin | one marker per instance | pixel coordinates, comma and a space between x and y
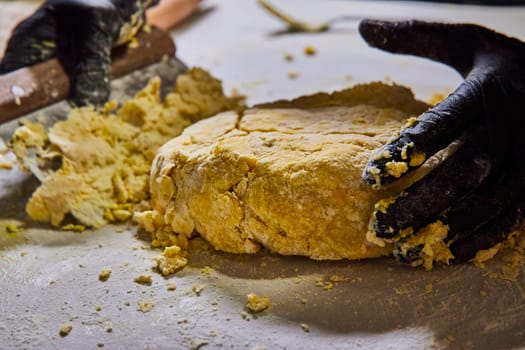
31, 88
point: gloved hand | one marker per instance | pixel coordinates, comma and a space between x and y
80, 33
479, 191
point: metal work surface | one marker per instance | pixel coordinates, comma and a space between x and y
50, 277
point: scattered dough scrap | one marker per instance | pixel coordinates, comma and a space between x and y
106, 155
171, 260
104, 275
10, 226
11, 232
65, 329
145, 305
197, 289
257, 303
285, 176
431, 237
143, 279
309, 50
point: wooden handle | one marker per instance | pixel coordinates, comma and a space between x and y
168, 13
28, 89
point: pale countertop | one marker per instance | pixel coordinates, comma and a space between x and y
52, 278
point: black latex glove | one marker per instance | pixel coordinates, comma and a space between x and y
80, 33
479, 191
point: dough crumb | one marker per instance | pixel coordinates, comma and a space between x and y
104, 275
288, 57
257, 303
171, 260
431, 238
171, 287
207, 270
305, 327
65, 329
145, 305
437, 97
328, 286
143, 279
10, 227
292, 74
309, 50
73, 227
338, 278
508, 258
6, 166
484, 255
197, 289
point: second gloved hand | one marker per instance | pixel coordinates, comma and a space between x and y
80, 33
477, 192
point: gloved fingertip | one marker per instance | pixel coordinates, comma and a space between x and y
373, 31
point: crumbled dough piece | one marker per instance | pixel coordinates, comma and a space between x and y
65, 329
437, 97
305, 327
73, 227
171, 287
106, 155
484, 255
434, 248
241, 182
133, 43
143, 279
104, 275
288, 57
207, 270
396, 169
11, 232
145, 305
293, 74
28, 135
171, 260
257, 303
417, 158
510, 257
9, 226
197, 289
309, 50
328, 286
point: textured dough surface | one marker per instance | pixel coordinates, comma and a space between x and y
285, 176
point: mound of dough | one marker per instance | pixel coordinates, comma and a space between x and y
285, 176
